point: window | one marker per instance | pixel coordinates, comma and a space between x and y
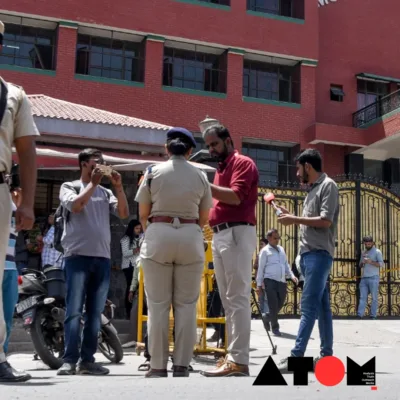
110, 58
275, 164
220, 2
27, 46
337, 93
369, 92
195, 68
285, 8
271, 81
373, 169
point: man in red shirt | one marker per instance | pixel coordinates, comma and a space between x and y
233, 220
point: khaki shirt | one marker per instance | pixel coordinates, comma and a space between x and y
322, 201
178, 189
17, 122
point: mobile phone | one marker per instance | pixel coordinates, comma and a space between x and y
105, 169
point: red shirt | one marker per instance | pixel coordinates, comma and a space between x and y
239, 173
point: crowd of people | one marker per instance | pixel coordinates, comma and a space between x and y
175, 202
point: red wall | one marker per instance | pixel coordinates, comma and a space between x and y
232, 28
154, 104
355, 36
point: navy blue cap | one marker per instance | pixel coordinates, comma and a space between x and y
181, 132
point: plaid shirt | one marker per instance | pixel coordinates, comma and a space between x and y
50, 256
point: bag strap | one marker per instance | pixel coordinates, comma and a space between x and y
3, 99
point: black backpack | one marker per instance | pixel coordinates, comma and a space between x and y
61, 218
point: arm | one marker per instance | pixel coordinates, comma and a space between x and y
205, 204
125, 248
262, 261
241, 182
74, 202
135, 280
329, 202
379, 262
119, 203
143, 197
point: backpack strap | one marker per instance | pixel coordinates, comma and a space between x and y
77, 187
3, 99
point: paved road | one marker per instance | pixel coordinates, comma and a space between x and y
360, 340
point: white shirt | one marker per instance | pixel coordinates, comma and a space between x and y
273, 264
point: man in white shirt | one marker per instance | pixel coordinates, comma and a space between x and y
273, 268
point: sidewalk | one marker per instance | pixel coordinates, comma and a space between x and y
360, 340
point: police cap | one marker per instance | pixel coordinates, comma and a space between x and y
181, 132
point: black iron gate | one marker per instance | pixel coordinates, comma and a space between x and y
366, 208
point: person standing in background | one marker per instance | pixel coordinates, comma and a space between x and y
50, 256
371, 261
130, 249
233, 220
17, 128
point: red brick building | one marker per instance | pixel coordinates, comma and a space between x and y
281, 74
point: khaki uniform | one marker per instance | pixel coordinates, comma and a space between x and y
16, 123
172, 256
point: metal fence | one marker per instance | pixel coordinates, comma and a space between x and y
375, 110
366, 208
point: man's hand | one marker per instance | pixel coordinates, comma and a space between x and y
295, 280
283, 209
24, 218
97, 176
116, 179
287, 219
130, 296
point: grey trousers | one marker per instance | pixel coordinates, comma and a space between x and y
172, 257
5, 223
276, 295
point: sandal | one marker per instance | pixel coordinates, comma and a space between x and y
145, 366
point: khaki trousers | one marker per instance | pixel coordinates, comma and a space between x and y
172, 257
5, 222
233, 250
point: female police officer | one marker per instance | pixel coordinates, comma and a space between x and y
175, 197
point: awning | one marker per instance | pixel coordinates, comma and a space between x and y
377, 78
58, 158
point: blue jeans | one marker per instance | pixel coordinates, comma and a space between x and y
10, 299
369, 285
263, 303
315, 267
88, 281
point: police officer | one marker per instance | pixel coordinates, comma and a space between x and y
16, 128
175, 197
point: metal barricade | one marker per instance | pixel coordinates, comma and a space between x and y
206, 286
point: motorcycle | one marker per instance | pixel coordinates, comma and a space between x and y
43, 318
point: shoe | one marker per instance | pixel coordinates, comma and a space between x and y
129, 345
9, 374
86, 368
227, 368
276, 332
316, 361
371, 317
283, 366
180, 372
359, 317
67, 369
214, 337
157, 373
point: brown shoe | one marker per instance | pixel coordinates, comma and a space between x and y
157, 373
228, 368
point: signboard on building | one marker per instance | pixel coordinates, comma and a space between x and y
325, 2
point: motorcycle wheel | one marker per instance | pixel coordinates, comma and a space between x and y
39, 342
110, 345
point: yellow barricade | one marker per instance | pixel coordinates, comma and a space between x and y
203, 320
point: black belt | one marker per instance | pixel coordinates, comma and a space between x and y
227, 225
2, 178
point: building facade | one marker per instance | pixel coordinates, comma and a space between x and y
281, 74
